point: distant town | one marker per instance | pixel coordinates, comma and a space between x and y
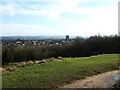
37, 42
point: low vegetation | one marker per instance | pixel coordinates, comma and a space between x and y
58, 72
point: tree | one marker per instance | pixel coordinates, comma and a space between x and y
7, 56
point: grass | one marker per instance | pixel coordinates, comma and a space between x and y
58, 72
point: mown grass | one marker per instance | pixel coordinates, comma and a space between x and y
59, 72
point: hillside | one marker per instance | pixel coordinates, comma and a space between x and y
53, 74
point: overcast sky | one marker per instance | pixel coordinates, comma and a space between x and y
58, 17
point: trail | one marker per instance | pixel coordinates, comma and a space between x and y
104, 80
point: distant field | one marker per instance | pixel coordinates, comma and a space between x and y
58, 72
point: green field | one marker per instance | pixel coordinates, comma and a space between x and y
59, 72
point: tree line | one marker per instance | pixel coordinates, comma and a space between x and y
81, 47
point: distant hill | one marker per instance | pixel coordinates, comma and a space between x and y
33, 37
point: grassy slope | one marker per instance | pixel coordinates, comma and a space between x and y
55, 73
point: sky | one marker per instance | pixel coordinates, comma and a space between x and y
58, 17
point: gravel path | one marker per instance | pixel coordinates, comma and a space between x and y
104, 80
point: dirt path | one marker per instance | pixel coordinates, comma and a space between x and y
104, 80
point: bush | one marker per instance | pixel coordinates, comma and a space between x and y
7, 55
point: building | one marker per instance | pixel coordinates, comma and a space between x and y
67, 37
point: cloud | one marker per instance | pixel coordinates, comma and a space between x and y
8, 9
25, 1
102, 19
21, 29
47, 10
53, 9
66, 3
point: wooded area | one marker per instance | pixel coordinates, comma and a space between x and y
79, 48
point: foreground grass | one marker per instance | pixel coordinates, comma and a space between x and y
59, 72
